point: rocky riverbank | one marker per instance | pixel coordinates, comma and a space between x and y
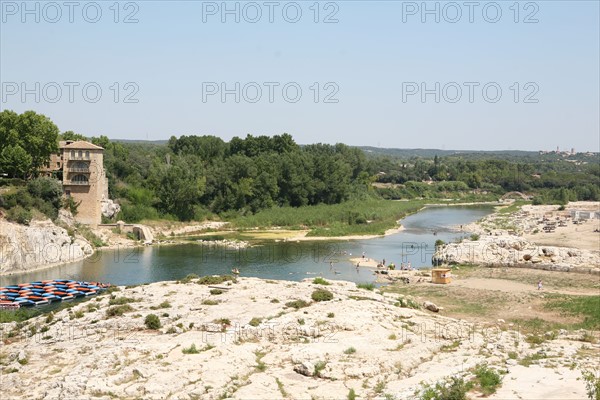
42, 244
518, 239
271, 339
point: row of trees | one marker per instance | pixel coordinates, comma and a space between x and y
195, 175
554, 180
192, 176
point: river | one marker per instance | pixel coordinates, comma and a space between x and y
272, 260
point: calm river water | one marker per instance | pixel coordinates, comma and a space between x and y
282, 260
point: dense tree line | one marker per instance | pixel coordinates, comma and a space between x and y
191, 177
551, 181
195, 175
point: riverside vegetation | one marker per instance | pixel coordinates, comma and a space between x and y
273, 181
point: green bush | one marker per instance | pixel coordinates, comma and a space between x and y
367, 286
190, 350
116, 301
297, 304
152, 321
215, 279
117, 311
489, 380
322, 295
189, 278
320, 281
592, 384
351, 395
136, 213
455, 389
255, 321
216, 291
19, 215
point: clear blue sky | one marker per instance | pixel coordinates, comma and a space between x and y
369, 54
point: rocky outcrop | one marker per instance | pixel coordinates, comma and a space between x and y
514, 251
246, 343
110, 208
42, 244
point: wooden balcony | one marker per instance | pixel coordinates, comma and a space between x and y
78, 169
77, 183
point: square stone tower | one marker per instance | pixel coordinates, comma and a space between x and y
84, 178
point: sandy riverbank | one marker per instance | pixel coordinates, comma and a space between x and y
249, 344
529, 222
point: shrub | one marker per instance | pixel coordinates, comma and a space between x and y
164, 304
19, 215
322, 295
255, 321
455, 389
351, 395
474, 237
320, 281
116, 301
592, 384
215, 279
489, 380
407, 303
190, 350
216, 291
319, 366
330, 315
209, 302
223, 321
367, 286
117, 311
152, 321
297, 304
189, 278
534, 339
350, 350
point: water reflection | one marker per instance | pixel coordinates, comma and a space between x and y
283, 260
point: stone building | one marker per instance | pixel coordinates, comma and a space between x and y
80, 165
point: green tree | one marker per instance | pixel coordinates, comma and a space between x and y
15, 161
70, 135
39, 136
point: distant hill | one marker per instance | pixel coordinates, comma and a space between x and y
430, 153
140, 141
423, 153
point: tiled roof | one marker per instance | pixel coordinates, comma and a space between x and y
79, 144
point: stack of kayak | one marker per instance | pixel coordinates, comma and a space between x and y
45, 292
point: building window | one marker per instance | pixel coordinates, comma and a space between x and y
68, 193
57, 165
72, 153
80, 154
87, 155
80, 179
